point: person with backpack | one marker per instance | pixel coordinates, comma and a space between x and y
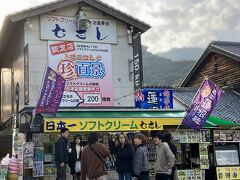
93, 159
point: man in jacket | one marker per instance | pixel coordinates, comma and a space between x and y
93, 159
173, 147
165, 158
61, 154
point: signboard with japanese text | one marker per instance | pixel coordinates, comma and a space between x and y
87, 69
64, 29
227, 173
154, 99
202, 106
51, 93
137, 62
107, 124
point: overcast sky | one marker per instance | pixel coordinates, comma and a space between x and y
175, 23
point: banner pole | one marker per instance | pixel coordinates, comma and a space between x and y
205, 78
39, 92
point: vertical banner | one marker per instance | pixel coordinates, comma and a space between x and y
87, 69
137, 62
51, 93
154, 99
202, 106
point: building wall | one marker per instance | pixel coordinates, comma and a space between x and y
222, 70
120, 55
13, 74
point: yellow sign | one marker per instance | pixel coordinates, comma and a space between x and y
107, 124
225, 173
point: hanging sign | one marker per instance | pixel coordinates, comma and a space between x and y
202, 106
107, 124
63, 28
137, 61
154, 99
87, 69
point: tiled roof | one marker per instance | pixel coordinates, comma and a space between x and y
228, 47
228, 108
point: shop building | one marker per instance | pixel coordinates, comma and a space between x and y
219, 63
102, 66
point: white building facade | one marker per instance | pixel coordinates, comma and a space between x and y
45, 36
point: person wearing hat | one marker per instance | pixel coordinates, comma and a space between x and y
165, 158
61, 154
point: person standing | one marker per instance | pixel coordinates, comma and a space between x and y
124, 157
141, 167
61, 154
173, 147
93, 159
165, 158
75, 158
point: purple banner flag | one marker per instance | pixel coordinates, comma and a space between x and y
51, 93
202, 106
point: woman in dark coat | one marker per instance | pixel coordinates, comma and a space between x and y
124, 157
75, 157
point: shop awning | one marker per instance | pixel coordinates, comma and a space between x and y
123, 117
217, 122
113, 120
121, 114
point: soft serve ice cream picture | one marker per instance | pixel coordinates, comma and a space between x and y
13, 168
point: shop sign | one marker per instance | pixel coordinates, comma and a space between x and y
51, 93
227, 173
137, 61
107, 124
202, 106
154, 99
87, 69
192, 136
193, 174
63, 28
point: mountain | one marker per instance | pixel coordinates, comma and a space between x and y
180, 54
159, 71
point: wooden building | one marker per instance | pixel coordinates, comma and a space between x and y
220, 62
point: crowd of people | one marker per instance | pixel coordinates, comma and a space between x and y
88, 163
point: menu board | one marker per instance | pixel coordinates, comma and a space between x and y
192, 136
190, 174
226, 136
204, 161
228, 173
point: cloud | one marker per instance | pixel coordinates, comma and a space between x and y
175, 24
185, 23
